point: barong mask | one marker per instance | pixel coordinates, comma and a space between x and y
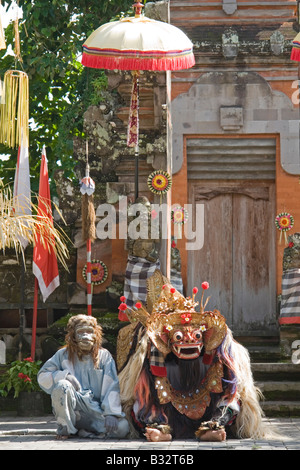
175, 325
186, 342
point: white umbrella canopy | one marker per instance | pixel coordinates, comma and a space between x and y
138, 43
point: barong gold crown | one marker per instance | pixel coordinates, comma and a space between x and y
173, 311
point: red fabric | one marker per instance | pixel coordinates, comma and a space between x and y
208, 358
44, 265
138, 63
159, 371
289, 320
295, 54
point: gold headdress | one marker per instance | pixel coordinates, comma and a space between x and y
173, 311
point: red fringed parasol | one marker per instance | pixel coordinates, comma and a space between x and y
295, 54
137, 43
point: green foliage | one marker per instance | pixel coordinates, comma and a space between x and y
21, 376
60, 88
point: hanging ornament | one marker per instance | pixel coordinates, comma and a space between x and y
159, 182
133, 121
87, 209
17, 49
14, 114
179, 216
87, 188
284, 222
99, 272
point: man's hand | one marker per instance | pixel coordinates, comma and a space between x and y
111, 423
73, 381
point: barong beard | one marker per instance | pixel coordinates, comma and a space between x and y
186, 376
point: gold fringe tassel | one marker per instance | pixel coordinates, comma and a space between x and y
17, 41
14, 113
88, 218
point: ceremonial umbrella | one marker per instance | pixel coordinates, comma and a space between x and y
295, 53
137, 43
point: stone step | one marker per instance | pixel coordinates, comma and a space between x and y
275, 371
262, 349
283, 390
281, 408
264, 353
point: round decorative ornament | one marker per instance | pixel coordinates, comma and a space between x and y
99, 272
159, 182
179, 216
284, 222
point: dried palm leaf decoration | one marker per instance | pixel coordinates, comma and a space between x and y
14, 112
14, 228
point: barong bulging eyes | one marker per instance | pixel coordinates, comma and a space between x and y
177, 336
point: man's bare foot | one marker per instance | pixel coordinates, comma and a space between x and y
214, 435
155, 435
62, 437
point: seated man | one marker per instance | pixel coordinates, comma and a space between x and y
82, 381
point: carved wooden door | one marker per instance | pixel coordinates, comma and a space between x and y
238, 256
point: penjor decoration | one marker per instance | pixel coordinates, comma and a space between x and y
284, 222
87, 188
159, 182
179, 216
14, 109
99, 272
14, 112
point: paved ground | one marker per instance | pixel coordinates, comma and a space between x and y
39, 434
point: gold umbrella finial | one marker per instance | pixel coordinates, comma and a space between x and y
138, 9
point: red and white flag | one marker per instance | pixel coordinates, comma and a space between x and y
22, 194
44, 265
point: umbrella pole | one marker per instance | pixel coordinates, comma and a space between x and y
136, 175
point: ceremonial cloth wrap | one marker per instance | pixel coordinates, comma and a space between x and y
290, 297
137, 272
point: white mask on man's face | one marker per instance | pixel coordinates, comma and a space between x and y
85, 337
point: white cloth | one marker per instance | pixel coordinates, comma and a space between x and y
98, 396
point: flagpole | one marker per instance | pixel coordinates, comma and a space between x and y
22, 310
34, 317
88, 276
